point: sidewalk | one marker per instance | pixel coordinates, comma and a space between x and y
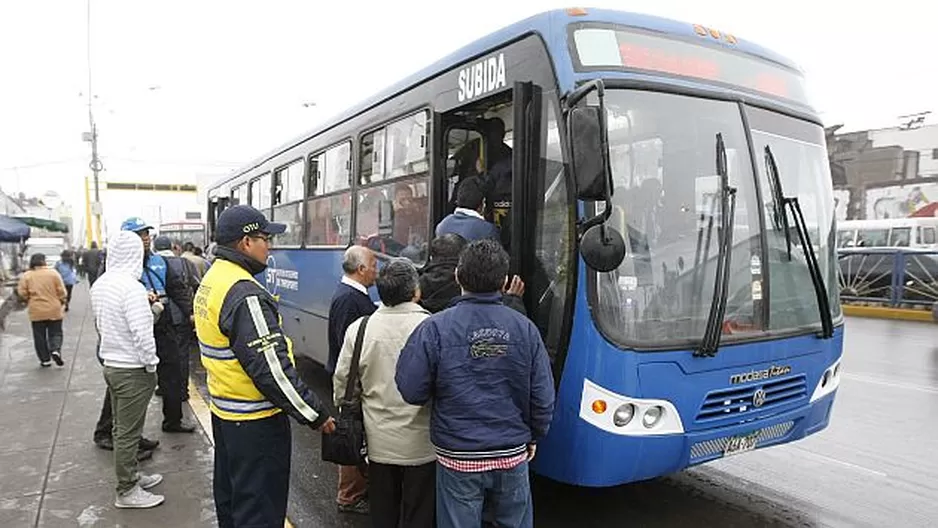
51, 474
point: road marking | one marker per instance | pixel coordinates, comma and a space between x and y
906, 386
201, 411
840, 462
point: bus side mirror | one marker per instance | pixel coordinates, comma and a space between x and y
584, 126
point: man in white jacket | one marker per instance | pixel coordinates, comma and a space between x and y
402, 461
124, 319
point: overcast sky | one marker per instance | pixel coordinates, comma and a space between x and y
197, 86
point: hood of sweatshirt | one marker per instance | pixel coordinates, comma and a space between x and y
125, 254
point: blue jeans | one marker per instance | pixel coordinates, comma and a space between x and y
505, 495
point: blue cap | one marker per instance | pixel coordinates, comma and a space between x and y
135, 224
243, 220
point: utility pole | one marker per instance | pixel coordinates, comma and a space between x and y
96, 166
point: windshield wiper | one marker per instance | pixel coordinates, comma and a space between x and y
814, 268
721, 283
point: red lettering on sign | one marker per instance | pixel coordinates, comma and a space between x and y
657, 60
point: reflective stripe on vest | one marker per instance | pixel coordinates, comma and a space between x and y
216, 353
233, 394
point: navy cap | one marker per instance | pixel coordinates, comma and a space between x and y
162, 243
135, 224
242, 220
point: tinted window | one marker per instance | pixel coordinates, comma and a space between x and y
393, 219
329, 170
328, 220
288, 183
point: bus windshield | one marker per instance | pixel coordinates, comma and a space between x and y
666, 205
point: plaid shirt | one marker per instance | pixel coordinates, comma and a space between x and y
478, 466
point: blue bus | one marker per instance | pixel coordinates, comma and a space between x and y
669, 207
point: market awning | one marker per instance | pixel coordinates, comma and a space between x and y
12, 230
43, 223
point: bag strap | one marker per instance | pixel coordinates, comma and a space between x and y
352, 380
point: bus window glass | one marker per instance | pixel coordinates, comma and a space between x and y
666, 205
393, 219
549, 279
804, 171
926, 235
260, 193
239, 195
328, 220
372, 158
288, 183
872, 238
900, 237
462, 148
407, 146
329, 170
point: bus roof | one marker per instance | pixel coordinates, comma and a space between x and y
550, 25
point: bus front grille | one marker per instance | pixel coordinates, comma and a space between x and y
740, 401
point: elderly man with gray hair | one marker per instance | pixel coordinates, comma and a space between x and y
351, 302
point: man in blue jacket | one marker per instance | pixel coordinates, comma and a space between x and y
487, 372
467, 220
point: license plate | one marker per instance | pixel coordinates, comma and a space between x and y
740, 444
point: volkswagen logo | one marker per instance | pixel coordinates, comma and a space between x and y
758, 399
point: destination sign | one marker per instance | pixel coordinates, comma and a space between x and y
599, 48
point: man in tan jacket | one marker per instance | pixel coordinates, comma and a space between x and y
402, 462
44, 293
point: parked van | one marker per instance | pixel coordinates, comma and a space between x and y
51, 247
894, 232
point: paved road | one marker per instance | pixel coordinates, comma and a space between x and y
874, 466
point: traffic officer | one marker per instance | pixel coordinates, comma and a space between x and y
165, 286
252, 378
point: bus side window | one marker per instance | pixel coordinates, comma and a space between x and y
926, 235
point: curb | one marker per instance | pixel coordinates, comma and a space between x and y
880, 312
204, 416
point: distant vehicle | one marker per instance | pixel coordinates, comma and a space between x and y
893, 232
182, 232
715, 331
51, 247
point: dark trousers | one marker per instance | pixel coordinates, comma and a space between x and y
47, 337
252, 471
92, 276
169, 375
402, 496
185, 338
105, 426
68, 290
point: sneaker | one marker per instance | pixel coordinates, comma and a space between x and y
137, 497
45, 363
57, 358
148, 481
144, 455
145, 445
360, 506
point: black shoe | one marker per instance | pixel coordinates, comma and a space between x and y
360, 507
181, 427
159, 391
144, 455
57, 358
106, 444
148, 445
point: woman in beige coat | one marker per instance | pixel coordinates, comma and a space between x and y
44, 292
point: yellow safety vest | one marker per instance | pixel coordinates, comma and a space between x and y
233, 394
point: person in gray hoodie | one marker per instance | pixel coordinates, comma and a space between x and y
123, 312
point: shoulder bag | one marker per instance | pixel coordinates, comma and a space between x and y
346, 446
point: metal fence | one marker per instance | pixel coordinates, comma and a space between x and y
893, 277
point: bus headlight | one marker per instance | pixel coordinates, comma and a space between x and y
629, 416
652, 415
623, 415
